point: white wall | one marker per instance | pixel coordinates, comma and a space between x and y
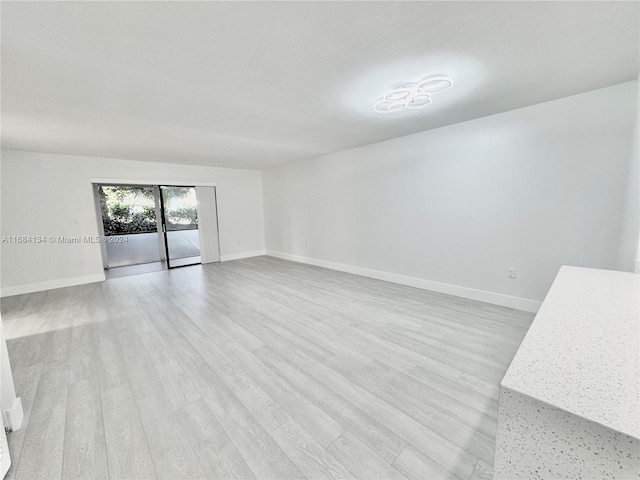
629, 247
451, 209
48, 194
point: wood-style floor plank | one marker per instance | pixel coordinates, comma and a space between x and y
256, 369
324, 429
453, 428
415, 465
217, 455
26, 384
127, 449
169, 448
361, 461
390, 419
43, 447
311, 458
482, 472
379, 438
85, 451
259, 450
175, 381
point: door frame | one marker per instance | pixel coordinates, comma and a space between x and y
134, 184
93, 181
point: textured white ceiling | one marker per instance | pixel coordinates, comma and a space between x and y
254, 84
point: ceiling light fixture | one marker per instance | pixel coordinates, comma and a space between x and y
412, 96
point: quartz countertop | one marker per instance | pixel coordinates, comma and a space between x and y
582, 352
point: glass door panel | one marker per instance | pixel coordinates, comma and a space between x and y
130, 224
180, 221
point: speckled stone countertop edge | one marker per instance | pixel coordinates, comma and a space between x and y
542, 351
590, 420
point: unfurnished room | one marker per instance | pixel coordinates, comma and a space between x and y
320, 240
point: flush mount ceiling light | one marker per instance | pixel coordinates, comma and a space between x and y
412, 96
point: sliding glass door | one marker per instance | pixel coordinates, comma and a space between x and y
149, 226
129, 221
179, 208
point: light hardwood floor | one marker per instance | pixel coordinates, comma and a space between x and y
257, 368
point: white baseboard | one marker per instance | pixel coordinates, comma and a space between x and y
464, 292
50, 285
14, 416
238, 256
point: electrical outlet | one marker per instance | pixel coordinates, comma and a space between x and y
306, 244
511, 273
81, 261
291, 244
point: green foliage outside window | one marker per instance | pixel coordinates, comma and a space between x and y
182, 218
130, 210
